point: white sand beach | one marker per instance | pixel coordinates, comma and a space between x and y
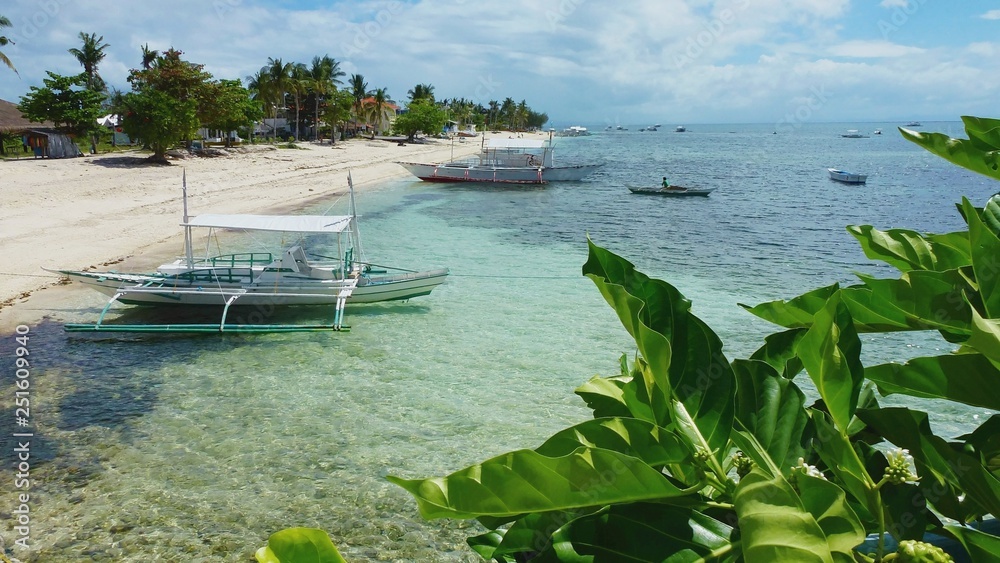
115, 210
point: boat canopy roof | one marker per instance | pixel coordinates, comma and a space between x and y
284, 223
501, 143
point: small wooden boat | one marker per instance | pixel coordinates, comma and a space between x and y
847, 177
671, 191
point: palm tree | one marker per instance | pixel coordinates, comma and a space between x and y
359, 91
4, 22
507, 109
298, 84
148, 56
421, 92
325, 75
494, 113
89, 57
521, 114
259, 86
379, 109
278, 77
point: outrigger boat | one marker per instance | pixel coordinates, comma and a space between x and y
260, 279
670, 191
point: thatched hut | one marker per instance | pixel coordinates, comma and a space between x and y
37, 139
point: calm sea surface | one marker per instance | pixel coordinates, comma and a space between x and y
196, 448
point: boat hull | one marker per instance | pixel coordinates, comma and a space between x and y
455, 173
154, 289
672, 192
847, 177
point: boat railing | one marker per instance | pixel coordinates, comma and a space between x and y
243, 259
213, 275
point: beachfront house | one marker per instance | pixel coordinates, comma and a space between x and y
20, 137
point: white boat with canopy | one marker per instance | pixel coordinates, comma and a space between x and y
505, 160
262, 279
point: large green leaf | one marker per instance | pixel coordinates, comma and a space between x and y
529, 535
641, 532
870, 314
929, 300
684, 359
837, 452
797, 312
486, 546
985, 257
771, 408
963, 152
777, 524
637, 438
956, 377
982, 547
985, 440
831, 354
606, 396
299, 545
778, 351
936, 458
908, 250
983, 131
525, 481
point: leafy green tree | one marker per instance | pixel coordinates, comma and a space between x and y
66, 102
324, 77
149, 56
378, 110
337, 110
359, 91
420, 116
279, 75
4, 40
158, 119
298, 84
421, 92
167, 103
90, 55
231, 107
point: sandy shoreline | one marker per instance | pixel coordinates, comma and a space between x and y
105, 210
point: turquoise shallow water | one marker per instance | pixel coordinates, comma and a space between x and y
177, 448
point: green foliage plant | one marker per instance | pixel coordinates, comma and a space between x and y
299, 545
693, 457
66, 102
421, 115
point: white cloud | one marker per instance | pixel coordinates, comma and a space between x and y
873, 49
991, 15
894, 3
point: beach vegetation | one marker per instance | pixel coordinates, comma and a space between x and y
378, 111
421, 92
172, 98
324, 77
66, 102
422, 116
336, 110
4, 41
786, 454
231, 107
89, 55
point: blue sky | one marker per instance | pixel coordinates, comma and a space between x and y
590, 62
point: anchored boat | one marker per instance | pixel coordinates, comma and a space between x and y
261, 279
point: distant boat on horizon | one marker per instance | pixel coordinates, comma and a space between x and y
913, 124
